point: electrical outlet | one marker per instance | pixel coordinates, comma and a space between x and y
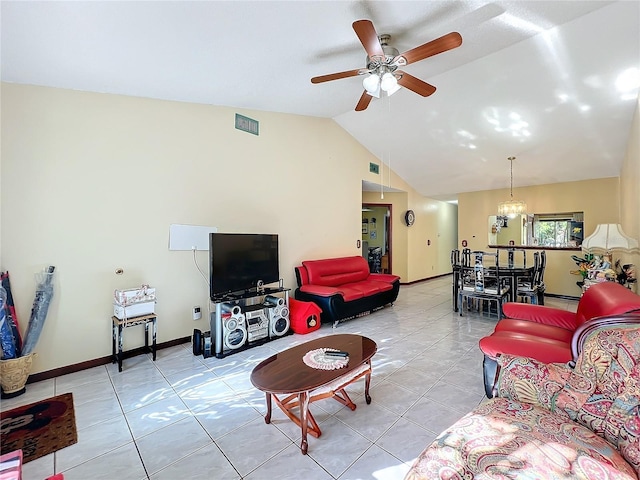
197, 314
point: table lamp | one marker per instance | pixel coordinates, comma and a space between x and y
609, 238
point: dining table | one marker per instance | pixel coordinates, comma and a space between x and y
511, 271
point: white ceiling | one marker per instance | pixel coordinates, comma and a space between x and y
533, 79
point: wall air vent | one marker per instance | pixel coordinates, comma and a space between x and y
247, 124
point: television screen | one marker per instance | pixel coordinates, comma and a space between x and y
237, 261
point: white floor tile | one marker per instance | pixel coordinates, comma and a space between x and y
376, 464
157, 415
252, 445
123, 463
338, 447
94, 441
289, 464
172, 443
207, 463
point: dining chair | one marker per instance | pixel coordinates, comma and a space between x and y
527, 288
541, 286
481, 282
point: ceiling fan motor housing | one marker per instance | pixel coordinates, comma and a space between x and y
389, 53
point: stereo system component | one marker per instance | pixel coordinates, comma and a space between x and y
196, 342
257, 325
207, 350
202, 344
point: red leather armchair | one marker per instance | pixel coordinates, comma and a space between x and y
546, 333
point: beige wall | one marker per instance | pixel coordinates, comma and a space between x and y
630, 189
412, 258
598, 199
91, 183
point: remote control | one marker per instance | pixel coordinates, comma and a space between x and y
332, 353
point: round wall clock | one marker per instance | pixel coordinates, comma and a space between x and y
409, 218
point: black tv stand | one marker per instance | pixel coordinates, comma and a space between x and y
245, 319
246, 294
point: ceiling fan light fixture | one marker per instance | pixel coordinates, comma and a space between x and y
393, 89
388, 82
376, 93
371, 84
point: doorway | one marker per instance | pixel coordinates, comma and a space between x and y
376, 236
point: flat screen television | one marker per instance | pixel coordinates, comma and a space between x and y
237, 261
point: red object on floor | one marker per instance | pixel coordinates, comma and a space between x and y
57, 476
304, 316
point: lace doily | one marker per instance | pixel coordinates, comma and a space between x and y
317, 359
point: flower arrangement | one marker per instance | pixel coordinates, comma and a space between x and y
599, 269
584, 265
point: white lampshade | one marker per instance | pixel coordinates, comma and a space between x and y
371, 83
388, 82
375, 93
393, 89
608, 238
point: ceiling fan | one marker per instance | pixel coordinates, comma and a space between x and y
383, 62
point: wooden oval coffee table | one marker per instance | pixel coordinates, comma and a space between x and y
286, 374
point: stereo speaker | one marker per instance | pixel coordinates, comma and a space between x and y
234, 329
197, 342
278, 320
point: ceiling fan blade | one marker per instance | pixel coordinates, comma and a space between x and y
369, 38
364, 101
434, 47
414, 84
336, 76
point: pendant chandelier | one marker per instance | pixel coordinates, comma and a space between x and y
512, 208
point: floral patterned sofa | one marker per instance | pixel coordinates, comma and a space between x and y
551, 421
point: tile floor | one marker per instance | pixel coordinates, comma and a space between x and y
188, 417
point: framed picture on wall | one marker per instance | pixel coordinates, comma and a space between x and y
365, 228
373, 235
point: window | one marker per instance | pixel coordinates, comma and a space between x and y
558, 230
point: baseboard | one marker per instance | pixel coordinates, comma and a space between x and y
96, 362
563, 297
425, 279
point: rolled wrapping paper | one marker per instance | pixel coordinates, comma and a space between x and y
7, 342
44, 293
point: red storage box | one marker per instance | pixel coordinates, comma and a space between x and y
304, 316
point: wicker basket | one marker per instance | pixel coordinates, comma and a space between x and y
14, 374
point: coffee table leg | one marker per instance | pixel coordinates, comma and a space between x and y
367, 382
267, 417
304, 410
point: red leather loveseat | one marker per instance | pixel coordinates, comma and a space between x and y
344, 288
545, 333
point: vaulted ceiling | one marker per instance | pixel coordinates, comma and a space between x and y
553, 83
